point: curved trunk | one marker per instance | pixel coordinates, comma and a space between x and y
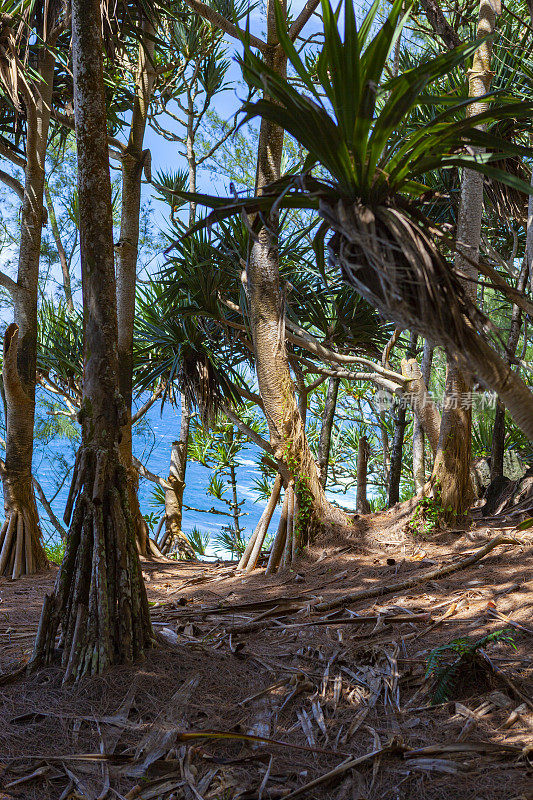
287, 432
174, 538
20, 347
99, 598
133, 161
452, 465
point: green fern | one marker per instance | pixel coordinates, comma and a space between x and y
445, 675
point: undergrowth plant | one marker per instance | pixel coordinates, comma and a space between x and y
429, 515
446, 674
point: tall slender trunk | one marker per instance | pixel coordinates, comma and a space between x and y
498, 432
452, 465
395, 472
362, 506
133, 161
287, 433
174, 537
328, 417
419, 459
99, 598
21, 550
63, 260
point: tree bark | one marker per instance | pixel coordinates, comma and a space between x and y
327, 426
498, 432
133, 162
99, 598
452, 465
23, 553
396, 455
174, 537
362, 506
63, 260
287, 432
419, 461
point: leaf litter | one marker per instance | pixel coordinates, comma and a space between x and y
315, 690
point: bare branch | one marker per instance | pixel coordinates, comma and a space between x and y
145, 473
148, 405
303, 17
16, 157
223, 24
13, 183
48, 508
251, 434
8, 283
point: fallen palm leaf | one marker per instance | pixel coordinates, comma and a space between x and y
350, 763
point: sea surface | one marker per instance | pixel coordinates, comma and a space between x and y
152, 446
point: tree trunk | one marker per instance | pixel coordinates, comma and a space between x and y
133, 162
21, 539
362, 506
174, 536
287, 433
452, 465
419, 461
327, 426
99, 598
60, 249
396, 455
498, 432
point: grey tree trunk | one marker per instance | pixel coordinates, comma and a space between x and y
396, 455
362, 505
328, 417
99, 598
419, 461
21, 550
498, 432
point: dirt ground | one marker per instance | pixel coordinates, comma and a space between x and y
254, 656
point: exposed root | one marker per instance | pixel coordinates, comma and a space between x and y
99, 598
21, 549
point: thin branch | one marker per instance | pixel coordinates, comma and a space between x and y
145, 473
13, 183
303, 17
14, 156
48, 508
148, 405
225, 25
8, 283
251, 434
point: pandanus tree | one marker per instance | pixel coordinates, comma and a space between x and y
99, 598
370, 191
25, 88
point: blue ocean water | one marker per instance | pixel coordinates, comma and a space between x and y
152, 446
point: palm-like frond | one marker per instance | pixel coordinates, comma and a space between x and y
373, 196
60, 350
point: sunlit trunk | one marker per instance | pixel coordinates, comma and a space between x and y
99, 598
21, 550
451, 472
287, 433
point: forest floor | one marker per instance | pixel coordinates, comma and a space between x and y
260, 656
